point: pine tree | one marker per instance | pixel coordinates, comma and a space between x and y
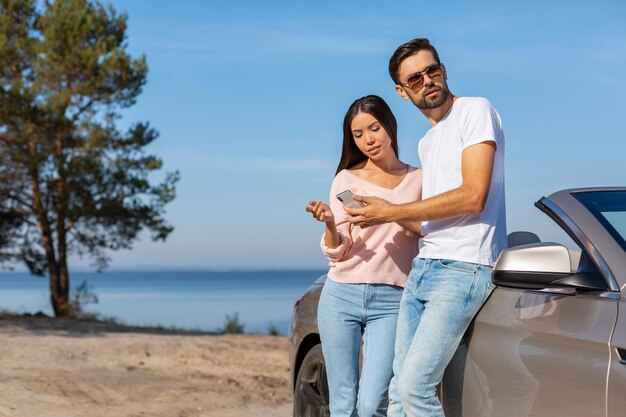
70, 180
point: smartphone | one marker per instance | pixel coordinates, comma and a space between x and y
346, 198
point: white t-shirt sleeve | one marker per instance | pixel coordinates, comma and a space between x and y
481, 123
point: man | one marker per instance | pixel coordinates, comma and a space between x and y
463, 226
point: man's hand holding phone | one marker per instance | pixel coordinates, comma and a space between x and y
347, 199
374, 210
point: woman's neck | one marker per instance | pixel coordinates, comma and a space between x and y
388, 165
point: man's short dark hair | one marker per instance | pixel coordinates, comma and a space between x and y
406, 50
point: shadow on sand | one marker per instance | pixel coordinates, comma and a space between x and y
72, 327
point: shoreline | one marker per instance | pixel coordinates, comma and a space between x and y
88, 368
199, 301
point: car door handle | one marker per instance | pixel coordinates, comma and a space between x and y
622, 355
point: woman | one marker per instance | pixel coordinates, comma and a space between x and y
368, 267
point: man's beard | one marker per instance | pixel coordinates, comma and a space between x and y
424, 103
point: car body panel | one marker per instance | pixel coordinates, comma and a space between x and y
531, 353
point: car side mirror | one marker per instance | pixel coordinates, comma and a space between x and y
542, 265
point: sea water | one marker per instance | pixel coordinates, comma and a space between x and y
195, 300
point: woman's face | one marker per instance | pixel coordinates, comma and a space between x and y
370, 136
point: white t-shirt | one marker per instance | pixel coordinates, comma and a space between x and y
476, 238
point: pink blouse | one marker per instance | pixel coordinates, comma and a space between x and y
378, 254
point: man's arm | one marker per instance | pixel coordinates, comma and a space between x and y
470, 197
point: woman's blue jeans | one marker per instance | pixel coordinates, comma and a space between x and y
439, 301
345, 313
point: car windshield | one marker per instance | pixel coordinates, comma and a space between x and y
609, 207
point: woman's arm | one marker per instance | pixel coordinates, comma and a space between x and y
412, 226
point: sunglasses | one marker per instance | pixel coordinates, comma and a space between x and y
416, 81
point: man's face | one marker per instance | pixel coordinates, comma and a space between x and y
434, 92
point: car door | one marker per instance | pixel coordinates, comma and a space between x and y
534, 353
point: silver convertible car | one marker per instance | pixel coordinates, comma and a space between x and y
551, 339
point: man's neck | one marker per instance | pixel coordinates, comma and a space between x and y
435, 115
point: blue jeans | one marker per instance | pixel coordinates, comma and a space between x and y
345, 313
439, 301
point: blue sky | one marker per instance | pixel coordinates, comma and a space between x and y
249, 97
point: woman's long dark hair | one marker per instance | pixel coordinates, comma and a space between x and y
351, 155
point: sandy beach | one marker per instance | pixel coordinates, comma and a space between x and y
65, 368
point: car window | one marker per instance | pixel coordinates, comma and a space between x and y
609, 207
618, 221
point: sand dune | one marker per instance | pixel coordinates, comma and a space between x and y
66, 368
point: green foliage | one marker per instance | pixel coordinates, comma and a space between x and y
82, 296
70, 180
272, 330
232, 325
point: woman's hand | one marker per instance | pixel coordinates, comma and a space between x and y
320, 211
323, 213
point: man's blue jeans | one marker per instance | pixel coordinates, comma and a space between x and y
345, 313
439, 301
